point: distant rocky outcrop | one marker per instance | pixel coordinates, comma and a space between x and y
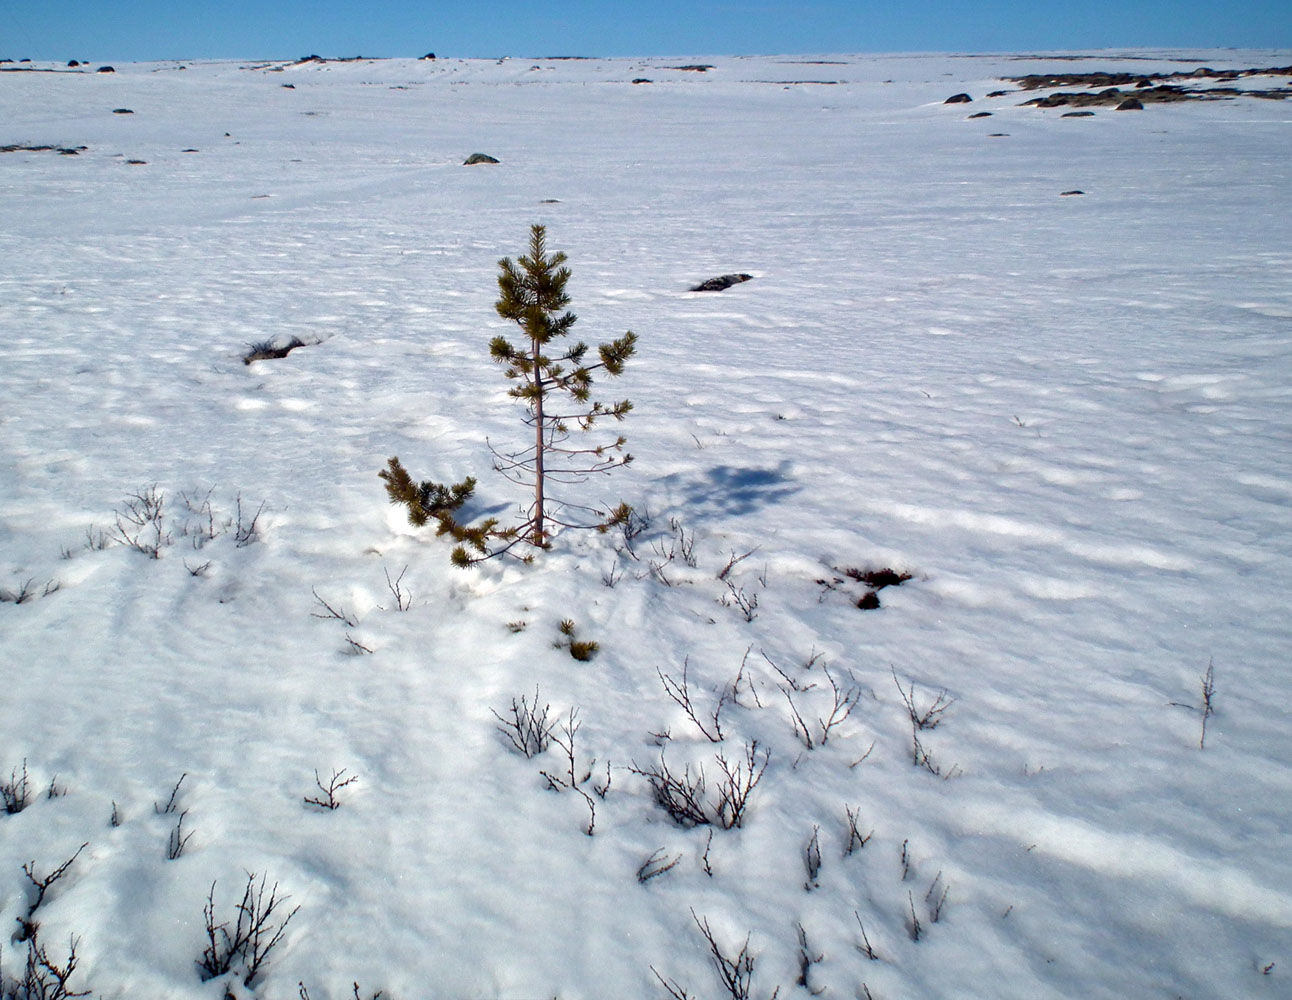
1153, 88
958, 99
721, 282
476, 158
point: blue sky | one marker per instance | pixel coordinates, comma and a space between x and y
191, 29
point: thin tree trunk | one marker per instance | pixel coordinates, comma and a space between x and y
539, 535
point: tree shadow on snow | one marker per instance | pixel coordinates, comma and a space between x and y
731, 491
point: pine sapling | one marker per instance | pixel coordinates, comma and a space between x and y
557, 390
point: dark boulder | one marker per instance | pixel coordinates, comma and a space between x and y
1130, 104
958, 99
721, 282
429, 57
476, 158
981, 114
105, 69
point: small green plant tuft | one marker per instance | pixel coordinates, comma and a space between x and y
581, 649
584, 649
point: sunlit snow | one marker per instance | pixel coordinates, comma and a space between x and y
1069, 418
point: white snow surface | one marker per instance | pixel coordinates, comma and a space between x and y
1069, 418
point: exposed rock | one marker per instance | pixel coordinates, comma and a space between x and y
61, 150
289, 86
1067, 194
430, 57
1000, 93
700, 68
105, 69
722, 282
1130, 104
642, 79
981, 114
72, 63
1149, 88
137, 163
475, 158
1077, 114
268, 350
958, 99
122, 111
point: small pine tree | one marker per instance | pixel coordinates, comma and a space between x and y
533, 296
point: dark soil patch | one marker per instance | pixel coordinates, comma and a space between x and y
874, 580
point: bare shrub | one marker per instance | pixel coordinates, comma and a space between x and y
141, 521
27, 925
684, 796
43, 978
256, 932
178, 839
527, 727
680, 693
16, 790
1208, 701
326, 799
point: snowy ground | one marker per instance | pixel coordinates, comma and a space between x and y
1069, 418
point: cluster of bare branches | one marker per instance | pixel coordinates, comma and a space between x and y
735, 972
528, 728
143, 522
403, 599
140, 522
710, 726
656, 865
27, 925
844, 699
27, 591
576, 777
684, 796
16, 791
42, 977
327, 797
257, 930
925, 718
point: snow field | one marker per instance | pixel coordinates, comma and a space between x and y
1067, 418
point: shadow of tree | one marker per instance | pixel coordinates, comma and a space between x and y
732, 491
